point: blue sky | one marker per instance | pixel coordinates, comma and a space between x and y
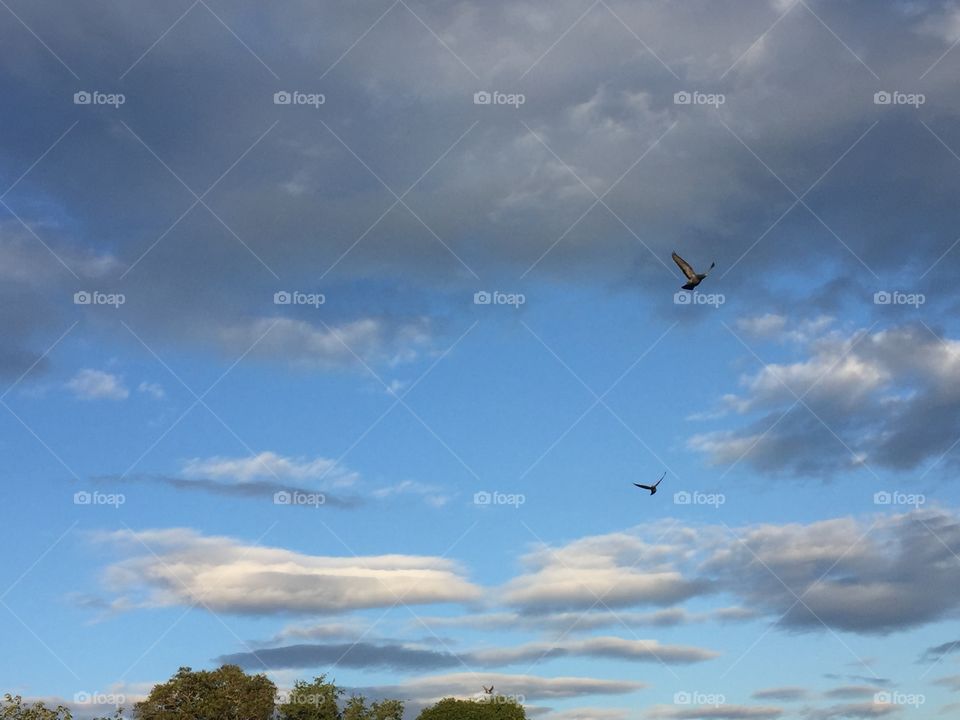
461, 472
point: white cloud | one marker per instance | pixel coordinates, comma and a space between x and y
183, 567
590, 713
606, 647
889, 398
467, 685
618, 569
154, 390
431, 494
323, 346
768, 325
91, 384
858, 575
855, 711
714, 712
269, 465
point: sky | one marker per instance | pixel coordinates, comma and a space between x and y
333, 337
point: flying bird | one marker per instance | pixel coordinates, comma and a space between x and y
693, 278
487, 690
651, 488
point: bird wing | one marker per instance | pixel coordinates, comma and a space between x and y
684, 266
645, 487
660, 480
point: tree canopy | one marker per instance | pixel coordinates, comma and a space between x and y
228, 693
12, 707
495, 708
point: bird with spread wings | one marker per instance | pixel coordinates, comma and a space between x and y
693, 277
652, 488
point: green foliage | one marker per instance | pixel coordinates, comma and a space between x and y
12, 708
227, 693
312, 701
386, 710
496, 708
356, 709
117, 715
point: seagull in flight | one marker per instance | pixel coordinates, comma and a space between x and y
693, 278
487, 690
652, 488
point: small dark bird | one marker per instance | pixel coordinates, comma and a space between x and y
487, 690
651, 488
693, 278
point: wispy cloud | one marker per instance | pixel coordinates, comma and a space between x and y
183, 567
89, 384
